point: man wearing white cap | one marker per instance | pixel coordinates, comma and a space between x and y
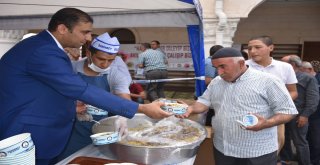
107, 71
38, 87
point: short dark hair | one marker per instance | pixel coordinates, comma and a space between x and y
156, 41
244, 54
146, 45
265, 39
87, 45
214, 49
69, 17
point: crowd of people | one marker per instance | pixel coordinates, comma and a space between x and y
54, 93
41, 88
302, 84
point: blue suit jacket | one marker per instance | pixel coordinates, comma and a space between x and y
38, 89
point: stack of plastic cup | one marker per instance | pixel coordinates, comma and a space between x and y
17, 150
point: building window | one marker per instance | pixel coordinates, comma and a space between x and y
125, 36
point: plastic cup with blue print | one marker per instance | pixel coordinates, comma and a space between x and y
105, 138
248, 120
95, 111
174, 107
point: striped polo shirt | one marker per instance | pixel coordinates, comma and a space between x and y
253, 92
152, 60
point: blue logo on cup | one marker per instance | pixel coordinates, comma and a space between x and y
25, 144
3, 154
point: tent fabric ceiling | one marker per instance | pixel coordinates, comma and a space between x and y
35, 14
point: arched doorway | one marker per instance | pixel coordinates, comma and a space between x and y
125, 36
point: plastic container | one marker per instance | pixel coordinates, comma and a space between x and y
95, 111
105, 138
174, 107
15, 145
248, 120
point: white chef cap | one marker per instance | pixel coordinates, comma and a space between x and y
106, 44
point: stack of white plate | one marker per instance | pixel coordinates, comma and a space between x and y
18, 149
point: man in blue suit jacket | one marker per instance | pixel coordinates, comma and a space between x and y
38, 87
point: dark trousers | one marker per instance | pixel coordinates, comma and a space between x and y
221, 159
286, 152
156, 90
313, 137
299, 138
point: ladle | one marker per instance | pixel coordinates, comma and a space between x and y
95, 121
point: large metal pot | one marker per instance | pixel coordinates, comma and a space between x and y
148, 155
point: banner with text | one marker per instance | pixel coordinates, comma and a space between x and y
178, 55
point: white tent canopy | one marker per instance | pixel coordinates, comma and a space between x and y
35, 14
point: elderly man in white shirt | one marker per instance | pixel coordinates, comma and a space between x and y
236, 92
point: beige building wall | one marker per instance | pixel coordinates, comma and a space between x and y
286, 22
232, 8
220, 20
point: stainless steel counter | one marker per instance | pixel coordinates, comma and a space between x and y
93, 151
